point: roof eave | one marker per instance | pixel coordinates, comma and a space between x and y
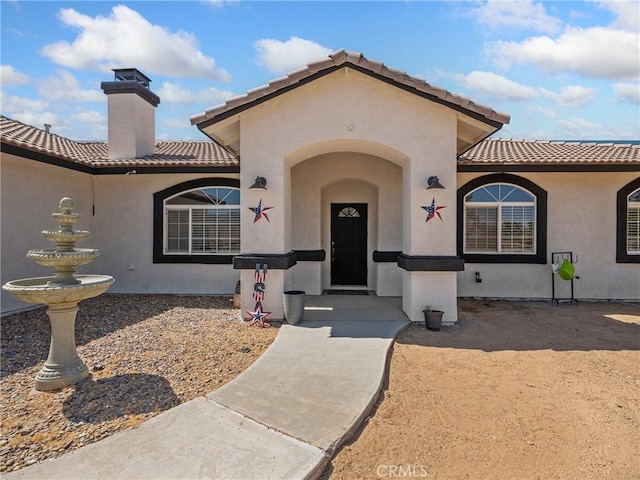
235, 106
496, 167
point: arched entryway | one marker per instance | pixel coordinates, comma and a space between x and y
347, 205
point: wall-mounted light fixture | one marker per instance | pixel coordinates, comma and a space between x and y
433, 182
260, 183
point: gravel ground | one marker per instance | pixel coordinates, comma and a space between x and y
146, 354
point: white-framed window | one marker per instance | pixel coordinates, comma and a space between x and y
499, 218
633, 223
202, 221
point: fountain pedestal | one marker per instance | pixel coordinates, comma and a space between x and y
63, 366
61, 294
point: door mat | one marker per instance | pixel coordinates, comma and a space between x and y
347, 292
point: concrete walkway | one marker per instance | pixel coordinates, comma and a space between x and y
282, 418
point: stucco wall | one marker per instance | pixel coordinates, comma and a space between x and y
124, 205
348, 111
122, 229
131, 126
581, 219
30, 192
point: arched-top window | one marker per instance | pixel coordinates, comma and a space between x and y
628, 223
633, 223
197, 222
502, 218
203, 221
499, 218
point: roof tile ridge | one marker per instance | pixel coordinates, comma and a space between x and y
393, 73
298, 74
319, 65
339, 56
354, 57
372, 65
236, 101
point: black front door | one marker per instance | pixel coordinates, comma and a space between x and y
348, 244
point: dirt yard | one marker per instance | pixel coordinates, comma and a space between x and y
516, 390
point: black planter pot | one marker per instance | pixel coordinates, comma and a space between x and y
433, 319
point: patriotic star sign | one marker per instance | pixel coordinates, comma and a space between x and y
258, 316
260, 211
432, 210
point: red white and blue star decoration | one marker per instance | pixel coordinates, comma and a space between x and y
258, 317
432, 210
260, 211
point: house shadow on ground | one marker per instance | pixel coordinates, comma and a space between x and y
528, 325
109, 398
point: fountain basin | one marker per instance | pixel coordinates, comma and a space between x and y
40, 290
59, 236
56, 258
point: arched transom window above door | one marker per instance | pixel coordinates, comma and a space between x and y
349, 212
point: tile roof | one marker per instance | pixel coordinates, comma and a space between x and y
188, 154
541, 153
95, 154
343, 58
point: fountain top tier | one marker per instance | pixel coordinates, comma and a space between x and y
65, 257
65, 236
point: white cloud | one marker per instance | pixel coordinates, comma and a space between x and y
628, 13
571, 96
10, 76
545, 112
105, 43
173, 123
627, 92
12, 104
521, 14
597, 52
64, 86
38, 119
579, 128
89, 117
221, 3
213, 96
171, 93
282, 57
497, 86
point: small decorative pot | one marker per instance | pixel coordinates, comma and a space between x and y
433, 319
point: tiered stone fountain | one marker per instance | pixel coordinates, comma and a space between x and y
61, 294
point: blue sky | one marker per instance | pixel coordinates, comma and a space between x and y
562, 69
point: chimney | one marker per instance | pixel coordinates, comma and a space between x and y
131, 114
